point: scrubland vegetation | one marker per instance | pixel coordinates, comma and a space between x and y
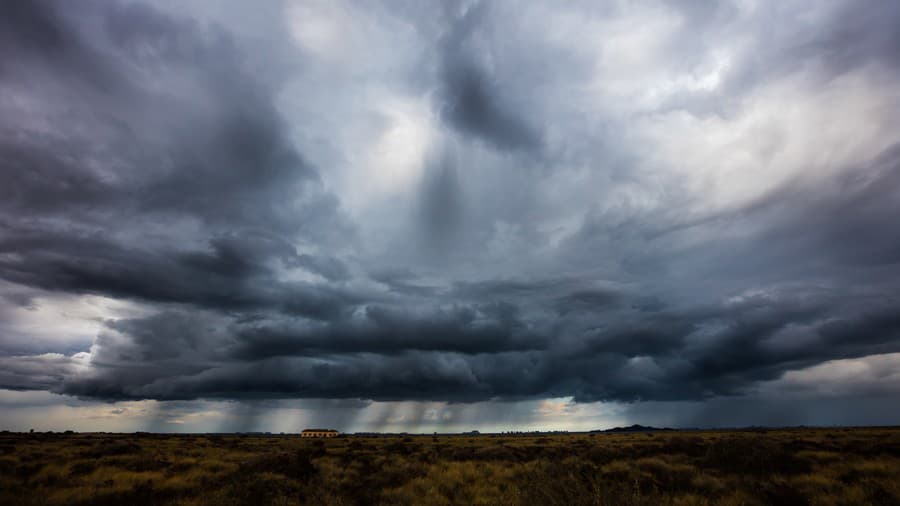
791, 467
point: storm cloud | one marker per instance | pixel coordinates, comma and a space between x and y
659, 203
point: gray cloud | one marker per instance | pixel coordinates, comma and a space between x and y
37, 372
541, 241
474, 102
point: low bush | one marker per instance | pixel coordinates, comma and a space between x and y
680, 469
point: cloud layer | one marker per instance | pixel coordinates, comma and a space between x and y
651, 201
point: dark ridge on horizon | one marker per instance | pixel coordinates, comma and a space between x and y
636, 428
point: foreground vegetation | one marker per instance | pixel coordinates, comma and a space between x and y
795, 467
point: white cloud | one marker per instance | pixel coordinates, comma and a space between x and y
873, 375
790, 130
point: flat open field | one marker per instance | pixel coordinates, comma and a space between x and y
795, 467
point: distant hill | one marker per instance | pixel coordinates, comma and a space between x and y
634, 428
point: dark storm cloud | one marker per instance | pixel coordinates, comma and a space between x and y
73, 205
857, 35
473, 106
216, 151
37, 32
513, 287
231, 275
36, 372
488, 328
474, 99
403, 281
474, 355
20, 299
853, 225
148, 159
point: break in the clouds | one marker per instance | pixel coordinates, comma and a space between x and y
660, 205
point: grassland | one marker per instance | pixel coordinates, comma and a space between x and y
791, 467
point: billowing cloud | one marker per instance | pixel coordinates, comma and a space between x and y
656, 203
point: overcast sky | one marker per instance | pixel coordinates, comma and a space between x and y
426, 216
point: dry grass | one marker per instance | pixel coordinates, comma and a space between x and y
792, 467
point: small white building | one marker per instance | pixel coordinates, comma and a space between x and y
319, 433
